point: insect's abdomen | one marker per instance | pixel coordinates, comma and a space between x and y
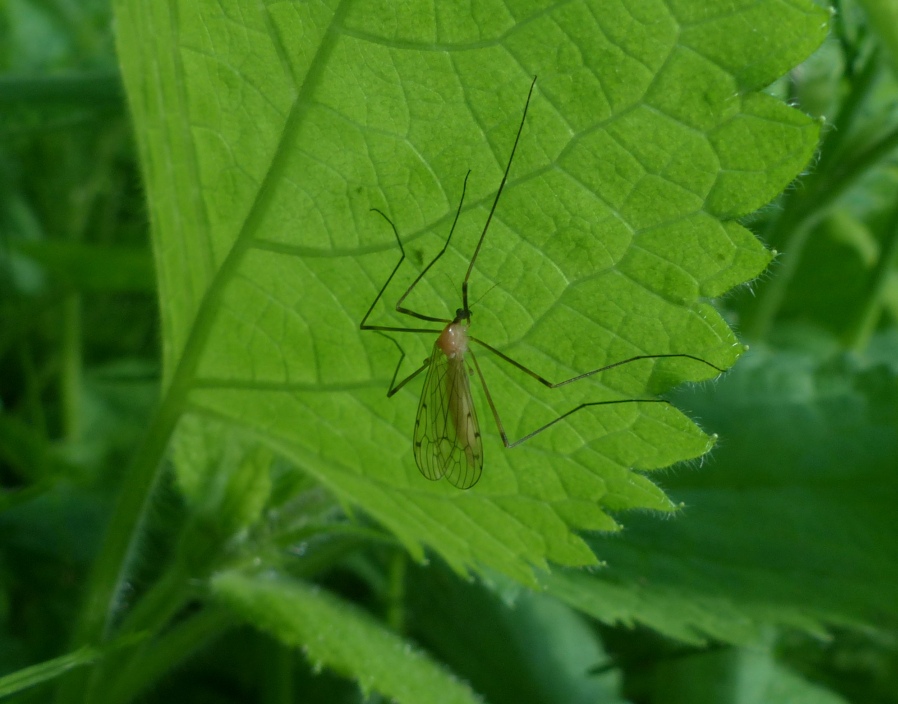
447, 435
461, 405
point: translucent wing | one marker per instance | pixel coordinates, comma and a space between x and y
447, 434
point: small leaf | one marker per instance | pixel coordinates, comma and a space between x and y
340, 636
225, 476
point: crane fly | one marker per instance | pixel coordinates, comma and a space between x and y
447, 439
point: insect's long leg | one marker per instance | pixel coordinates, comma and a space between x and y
580, 408
399, 306
464, 284
556, 384
364, 324
388, 328
407, 379
393, 386
489, 399
508, 444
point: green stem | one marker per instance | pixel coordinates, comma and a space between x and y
132, 672
125, 526
164, 599
865, 325
33, 389
862, 84
127, 519
396, 591
161, 655
805, 207
116, 553
278, 674
72, 367
43, 672
803, 214
882, 18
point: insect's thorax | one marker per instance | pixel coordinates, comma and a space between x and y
453, 341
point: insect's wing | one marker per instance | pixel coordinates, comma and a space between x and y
447, 434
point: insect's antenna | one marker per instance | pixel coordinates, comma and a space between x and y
433, 261
485, 293
464, 284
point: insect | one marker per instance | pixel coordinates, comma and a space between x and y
447, 438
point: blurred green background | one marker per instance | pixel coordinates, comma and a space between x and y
808, 423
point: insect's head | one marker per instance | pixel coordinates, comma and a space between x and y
462, 314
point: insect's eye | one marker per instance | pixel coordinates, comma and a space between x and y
460, 313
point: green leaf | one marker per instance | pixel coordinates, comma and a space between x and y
737, 676
335, 634
268, 133
523, 647
793, 521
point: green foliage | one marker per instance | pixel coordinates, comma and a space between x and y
820, 515
334, 634
262, 529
